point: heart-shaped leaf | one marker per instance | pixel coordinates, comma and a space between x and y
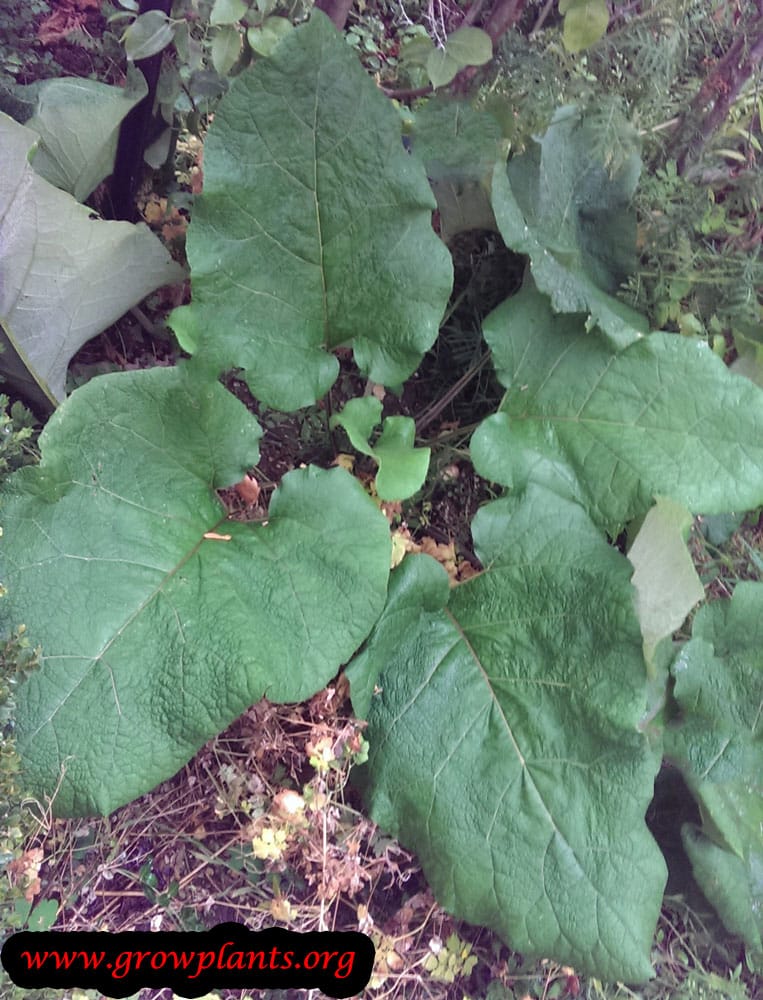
314, 229
470, 46
161, 620
148, 34
504, 738
441, 67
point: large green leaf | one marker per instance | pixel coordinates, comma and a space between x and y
566, 203
454, 140
65, 275
505, 750
615, 428
314, 228
459, 147
718, 744
78, 124
160, 620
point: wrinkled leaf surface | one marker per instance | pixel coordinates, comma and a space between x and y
314, 229
459, 148
558, 203
718, 744
160, 620
504, 743
452, 139
615, 428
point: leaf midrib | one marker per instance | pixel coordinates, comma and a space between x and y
522, 761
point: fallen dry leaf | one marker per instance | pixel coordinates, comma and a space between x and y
457, 569
249, 490
26, 872
69, 16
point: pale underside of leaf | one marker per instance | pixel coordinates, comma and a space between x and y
666, 582
64, 277
78, 123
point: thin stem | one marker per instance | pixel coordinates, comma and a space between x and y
408, 93
542, 18
436, 408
